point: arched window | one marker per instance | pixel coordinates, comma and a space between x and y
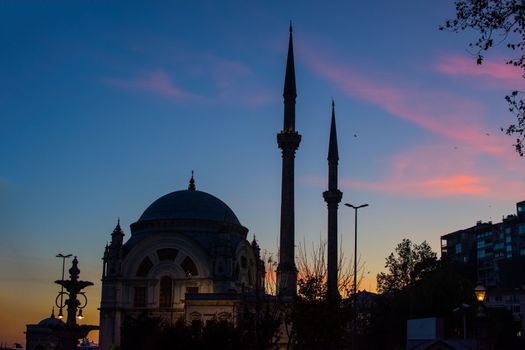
167, 254
165, 293
144, 267
189, 267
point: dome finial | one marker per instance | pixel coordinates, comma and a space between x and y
191, 186
53, 312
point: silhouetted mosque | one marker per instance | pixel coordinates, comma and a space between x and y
188, 255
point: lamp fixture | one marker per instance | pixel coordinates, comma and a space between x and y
480, 292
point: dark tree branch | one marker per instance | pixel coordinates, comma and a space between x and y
505, 21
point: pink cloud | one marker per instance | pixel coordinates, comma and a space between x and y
439, 112
425, 171
446, 171
493, 72
235, 83
221, 81
435, 171
227, 73
455, 166
454, 185
229, 78
457, 185
157, 82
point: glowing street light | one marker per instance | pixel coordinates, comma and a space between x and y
480, 292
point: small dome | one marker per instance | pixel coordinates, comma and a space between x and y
51, 321
189, 205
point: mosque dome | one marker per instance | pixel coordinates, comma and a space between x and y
51, 321
189, 205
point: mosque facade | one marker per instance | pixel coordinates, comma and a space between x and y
188, 255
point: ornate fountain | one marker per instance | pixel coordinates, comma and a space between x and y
71, 332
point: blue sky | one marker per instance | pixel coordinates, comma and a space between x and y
105, 107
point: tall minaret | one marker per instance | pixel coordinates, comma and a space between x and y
332, 198
288, 140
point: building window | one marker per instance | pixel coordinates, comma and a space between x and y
481, 253
139, 297
509, 248
522, 251
144, 267
458, 248
244, 262
189, 267
508, 239
166, 286
508, 230
521, 229
167, 254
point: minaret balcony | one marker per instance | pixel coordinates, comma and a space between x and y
332, 196
288, 140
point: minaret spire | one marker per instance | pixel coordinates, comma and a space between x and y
288, 140
332, 198
333, 152
289, 91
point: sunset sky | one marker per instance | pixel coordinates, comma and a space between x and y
106, 106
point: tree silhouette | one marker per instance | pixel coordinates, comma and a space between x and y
319, 322
410, 264
313, 268
497, 22
312, 264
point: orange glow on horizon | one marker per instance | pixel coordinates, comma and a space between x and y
20, 308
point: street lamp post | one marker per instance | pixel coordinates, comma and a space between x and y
63, 257
355, 267
463, 308
481, 294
